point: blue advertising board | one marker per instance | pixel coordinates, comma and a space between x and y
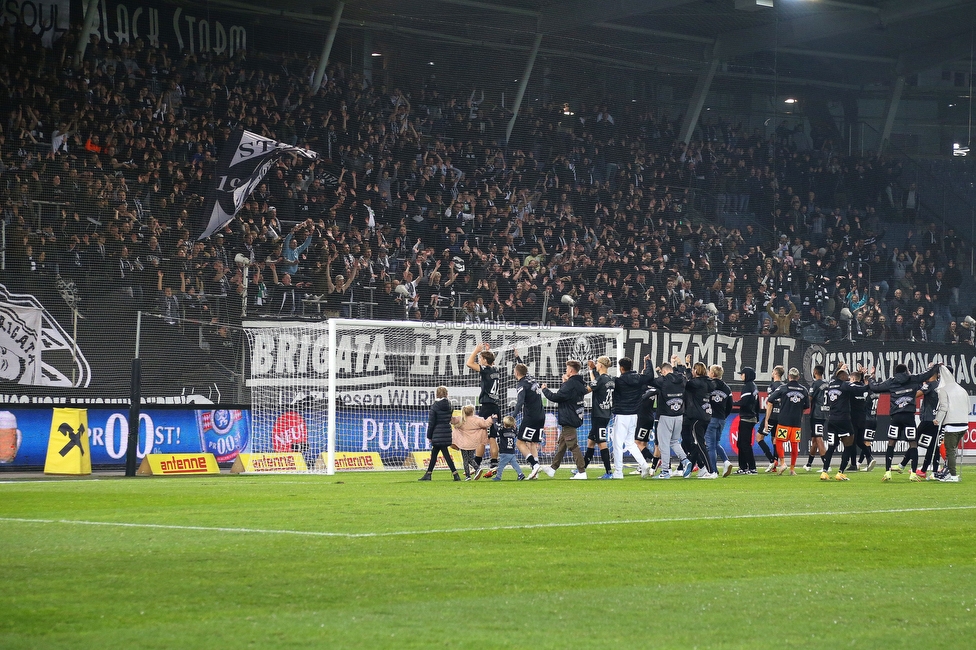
223, 432
392, 433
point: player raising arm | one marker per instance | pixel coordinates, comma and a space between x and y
629, 387
902, 387
482, 360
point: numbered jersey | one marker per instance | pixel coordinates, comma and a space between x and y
818, 398
490, 382
602, 396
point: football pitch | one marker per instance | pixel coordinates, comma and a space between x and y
372, 560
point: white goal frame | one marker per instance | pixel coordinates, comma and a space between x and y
333, 328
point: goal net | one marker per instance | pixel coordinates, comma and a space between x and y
355, 394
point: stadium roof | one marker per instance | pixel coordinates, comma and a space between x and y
853, 43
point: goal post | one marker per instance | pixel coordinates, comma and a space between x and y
357, 392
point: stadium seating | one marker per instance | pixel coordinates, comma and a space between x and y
606, 219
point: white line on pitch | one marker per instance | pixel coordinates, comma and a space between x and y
480, 529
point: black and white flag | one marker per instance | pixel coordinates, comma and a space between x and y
245, 160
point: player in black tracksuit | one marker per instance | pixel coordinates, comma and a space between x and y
528, 404
482, 359
928, 431
769, 426
748, 405
818, 416
644, 434
902, 387
839, 393
864, 417
601, 386
698, 411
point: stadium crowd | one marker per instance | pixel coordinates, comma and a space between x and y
416, 209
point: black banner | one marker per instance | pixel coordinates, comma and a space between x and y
194, 30
733, 353
961, 358
242, 164
763, 353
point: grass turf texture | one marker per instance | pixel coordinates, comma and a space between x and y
709, 577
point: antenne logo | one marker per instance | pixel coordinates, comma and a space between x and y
34, 348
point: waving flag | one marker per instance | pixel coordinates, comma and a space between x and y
246, 158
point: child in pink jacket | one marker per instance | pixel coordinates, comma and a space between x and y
471, 436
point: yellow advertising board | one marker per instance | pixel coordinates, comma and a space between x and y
67, 445
350, 460
420, 459
269, 463
178, 465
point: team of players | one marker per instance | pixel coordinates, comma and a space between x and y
688, 407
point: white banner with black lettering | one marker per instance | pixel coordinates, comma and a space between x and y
20, 349
246, 159
34, 349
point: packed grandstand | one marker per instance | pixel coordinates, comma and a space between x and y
416, 209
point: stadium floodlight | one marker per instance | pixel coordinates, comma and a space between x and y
753, 5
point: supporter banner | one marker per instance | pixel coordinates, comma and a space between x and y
766, 352
34, 349
193, 29
24, 434
763, 353
885, 356
244, 161
379, 368
50, 19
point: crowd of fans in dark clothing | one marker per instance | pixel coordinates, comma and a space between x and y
416, 208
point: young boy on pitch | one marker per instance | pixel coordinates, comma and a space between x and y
506, 449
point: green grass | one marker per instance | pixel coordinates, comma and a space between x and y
695, 573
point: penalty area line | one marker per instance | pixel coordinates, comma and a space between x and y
482, 529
